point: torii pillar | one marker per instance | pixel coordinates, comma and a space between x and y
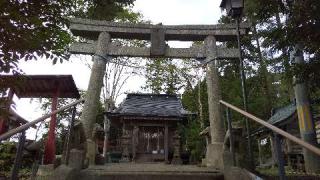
92, 98
214, 154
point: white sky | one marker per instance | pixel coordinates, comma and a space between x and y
167, 12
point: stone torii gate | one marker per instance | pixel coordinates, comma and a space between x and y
102, 32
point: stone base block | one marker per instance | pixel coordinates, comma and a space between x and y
76, 159
236, 173
204, 162
91, 151
64, 172
176, 160
227, 159
214, 155
45, 172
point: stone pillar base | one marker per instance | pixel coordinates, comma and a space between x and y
76, 159
176, 160
227, 159
91, 152
214, 155
45, 172
204, 162
236, 173
64, 172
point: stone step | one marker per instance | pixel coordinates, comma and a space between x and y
95, 175
150, 171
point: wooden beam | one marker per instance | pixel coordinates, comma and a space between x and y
197, 52
166, 142
91, 29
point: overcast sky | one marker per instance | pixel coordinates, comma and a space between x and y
167, 12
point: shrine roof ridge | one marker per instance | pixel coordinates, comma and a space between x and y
152, 95
161, 105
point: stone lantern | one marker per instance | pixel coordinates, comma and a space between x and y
234, 8
176, 149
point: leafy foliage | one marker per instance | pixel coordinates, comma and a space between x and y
168, 76
64, 118
33, 29
193, 143
7, 155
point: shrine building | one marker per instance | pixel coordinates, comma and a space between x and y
144, 128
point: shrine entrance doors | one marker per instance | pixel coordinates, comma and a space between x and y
150, 145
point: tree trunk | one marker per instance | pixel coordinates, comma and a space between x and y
264, 73
286, 64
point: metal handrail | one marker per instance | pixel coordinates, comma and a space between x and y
31, 123
274, 128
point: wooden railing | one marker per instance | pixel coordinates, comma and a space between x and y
22, 129
277, 131
32, 123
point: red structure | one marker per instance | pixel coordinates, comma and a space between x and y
8, 117
41, 86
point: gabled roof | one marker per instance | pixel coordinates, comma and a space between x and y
10, 114
31, 86
161, 105
280, 117
282, 114
223, 3
16, 119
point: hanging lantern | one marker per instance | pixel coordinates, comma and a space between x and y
234, 8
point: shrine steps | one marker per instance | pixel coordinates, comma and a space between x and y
149, 176
134, 171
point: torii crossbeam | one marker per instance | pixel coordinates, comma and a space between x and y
158, 35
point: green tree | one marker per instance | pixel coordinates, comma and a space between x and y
63, 119
168, 76
35, 29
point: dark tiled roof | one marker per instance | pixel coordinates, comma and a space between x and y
282, 114
163, 105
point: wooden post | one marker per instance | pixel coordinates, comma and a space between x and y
106, 128
3, 118
92, 98
2, 125
50, 147
69, 136
259, 149
231, 140
158, 140
282, 174
18, 159
166, 146
135, 141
